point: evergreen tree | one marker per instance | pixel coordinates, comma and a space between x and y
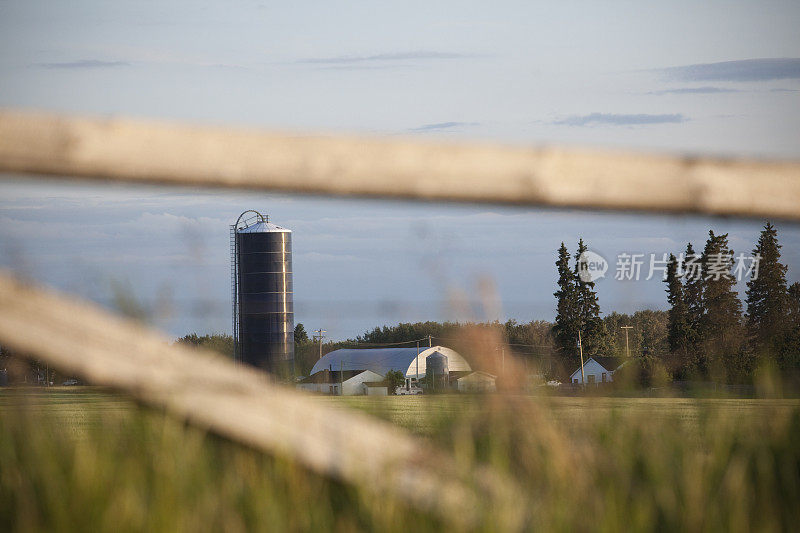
300, 335
789, 350
767, 295
679, 331
588, 308
692, 274
794, 305
693, 287
721, 323
567, 319
595, 338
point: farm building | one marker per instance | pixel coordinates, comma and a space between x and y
345, 383
381, 360
597, 370
376, 388
477, 382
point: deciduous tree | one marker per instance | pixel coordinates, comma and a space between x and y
394, 379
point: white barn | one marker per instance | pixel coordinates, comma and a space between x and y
382, 360
597, 370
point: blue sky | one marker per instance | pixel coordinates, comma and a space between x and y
711, 77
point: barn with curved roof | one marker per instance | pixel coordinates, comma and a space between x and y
381, 360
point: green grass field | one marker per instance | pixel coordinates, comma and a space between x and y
81, 407
78, 408
80, 458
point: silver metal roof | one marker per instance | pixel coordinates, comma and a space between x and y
264, 227
381, 360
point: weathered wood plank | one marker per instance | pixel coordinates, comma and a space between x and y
157, 152
242, 404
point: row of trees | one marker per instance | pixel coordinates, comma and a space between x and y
217, 342
709, 336
306, 352
706, 334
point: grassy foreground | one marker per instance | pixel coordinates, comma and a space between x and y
81, 459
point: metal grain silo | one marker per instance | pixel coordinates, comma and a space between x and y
261, 279
437, 371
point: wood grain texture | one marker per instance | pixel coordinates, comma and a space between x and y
157, 152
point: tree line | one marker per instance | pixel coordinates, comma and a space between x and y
710, 335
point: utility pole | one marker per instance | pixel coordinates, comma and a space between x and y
429, 342
627, 349
319, 336
580, 346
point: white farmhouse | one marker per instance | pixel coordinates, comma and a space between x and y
597, 370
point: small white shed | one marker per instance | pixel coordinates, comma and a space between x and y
477, 382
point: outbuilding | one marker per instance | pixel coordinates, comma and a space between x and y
345, 383
376, 388
477, 381
381, 360
597, 370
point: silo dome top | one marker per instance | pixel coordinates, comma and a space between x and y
254, 222
263, 227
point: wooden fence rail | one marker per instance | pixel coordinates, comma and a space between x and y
241, 403
156, 152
